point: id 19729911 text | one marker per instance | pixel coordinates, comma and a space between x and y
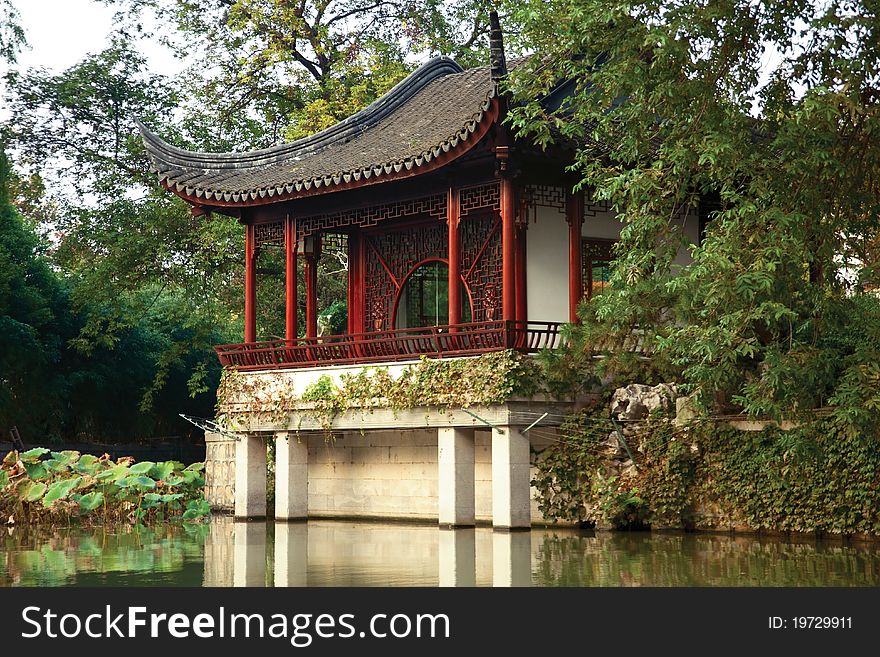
810, 623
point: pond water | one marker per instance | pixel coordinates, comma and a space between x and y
338, 553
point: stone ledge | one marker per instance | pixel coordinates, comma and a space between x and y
514, 413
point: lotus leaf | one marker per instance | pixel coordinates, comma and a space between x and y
116, 473
33, 455
36, 470
60, 490
91, 501
31, 491
69, 456
143, 467
161, 471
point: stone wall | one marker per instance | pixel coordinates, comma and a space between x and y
220, 471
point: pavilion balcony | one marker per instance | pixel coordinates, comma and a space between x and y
389, 346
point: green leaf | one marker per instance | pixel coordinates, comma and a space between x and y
91, 501
32, 491
140, 482
4, 479
143, 467
162, 471
174, 480
56, 466
88, 464
36, 470
33, 455
60, 489
115, 474
68, 457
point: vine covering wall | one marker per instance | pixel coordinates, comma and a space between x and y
817, 478
492, 378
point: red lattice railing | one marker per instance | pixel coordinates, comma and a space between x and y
384, 346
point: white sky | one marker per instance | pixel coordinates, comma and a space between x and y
61, 32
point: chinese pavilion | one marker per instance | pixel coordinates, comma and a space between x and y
460, 239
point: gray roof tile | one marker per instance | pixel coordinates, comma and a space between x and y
432, 111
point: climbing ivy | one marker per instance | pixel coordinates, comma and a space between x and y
491, 378
819, 477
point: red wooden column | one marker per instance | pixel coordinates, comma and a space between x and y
508, 250
574, 214
250, 284
290, 247
355, 290
311, 276
452, 219
521, 252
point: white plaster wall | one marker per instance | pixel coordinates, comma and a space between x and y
601, 224
547, 256
390, 474
605, 225
691, 229
547, 266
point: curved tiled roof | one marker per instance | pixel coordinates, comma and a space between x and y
429, 117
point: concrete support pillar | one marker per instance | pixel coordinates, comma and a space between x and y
250, 478
511, 559
291, 554
291, 477
457, 557
510, 479
455, 477
249, 554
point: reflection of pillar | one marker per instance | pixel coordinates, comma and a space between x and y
511, 559
574, 214
454, 248
291, 477
290, 245
510, 479
250, 477
249, 554
457, 557
218, 556
250, 284
291, 553
455, 476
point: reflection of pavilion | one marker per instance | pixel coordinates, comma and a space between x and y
334, 553
459, 240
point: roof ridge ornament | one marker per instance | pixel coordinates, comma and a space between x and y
497, 61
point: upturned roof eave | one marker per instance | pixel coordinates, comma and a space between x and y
377, 174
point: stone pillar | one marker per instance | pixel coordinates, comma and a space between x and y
291, 477
510, 479
457, 557
250, 478
249, 554
291, 554
455, 477
511, 559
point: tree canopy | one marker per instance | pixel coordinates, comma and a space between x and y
764, 115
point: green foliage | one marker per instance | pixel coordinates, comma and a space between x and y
97, 489
487, 379
780, 154
817, 478
11, 34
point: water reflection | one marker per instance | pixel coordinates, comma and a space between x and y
336, 553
